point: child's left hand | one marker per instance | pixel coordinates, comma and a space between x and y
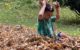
57, 5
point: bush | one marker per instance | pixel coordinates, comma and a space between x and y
74, 4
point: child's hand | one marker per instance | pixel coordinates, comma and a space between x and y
57, 5
43, 2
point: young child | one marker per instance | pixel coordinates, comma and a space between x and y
46, 19
46, 22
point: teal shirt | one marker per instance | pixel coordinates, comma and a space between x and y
45, 27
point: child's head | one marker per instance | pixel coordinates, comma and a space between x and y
48, 9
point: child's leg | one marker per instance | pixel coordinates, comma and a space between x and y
62, 35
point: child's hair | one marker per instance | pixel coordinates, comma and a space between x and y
48, 8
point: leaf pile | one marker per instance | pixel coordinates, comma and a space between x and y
24, 38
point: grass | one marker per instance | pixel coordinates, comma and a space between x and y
22, 13
17, 13
67, 22
73, 30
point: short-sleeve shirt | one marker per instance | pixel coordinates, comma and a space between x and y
46, 27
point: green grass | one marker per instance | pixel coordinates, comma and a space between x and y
18, 12
25, 13
68, 22
73, 30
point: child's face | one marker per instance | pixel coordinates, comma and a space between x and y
48, 14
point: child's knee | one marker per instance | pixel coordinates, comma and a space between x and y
59, 34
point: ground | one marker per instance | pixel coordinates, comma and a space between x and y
14, 13
19, 37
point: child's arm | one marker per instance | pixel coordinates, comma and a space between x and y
41, 12
57, 6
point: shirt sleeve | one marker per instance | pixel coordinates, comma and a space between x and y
53, 18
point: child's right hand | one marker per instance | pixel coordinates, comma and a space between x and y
43, 2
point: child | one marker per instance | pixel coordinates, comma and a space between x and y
46, 19
46, 22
